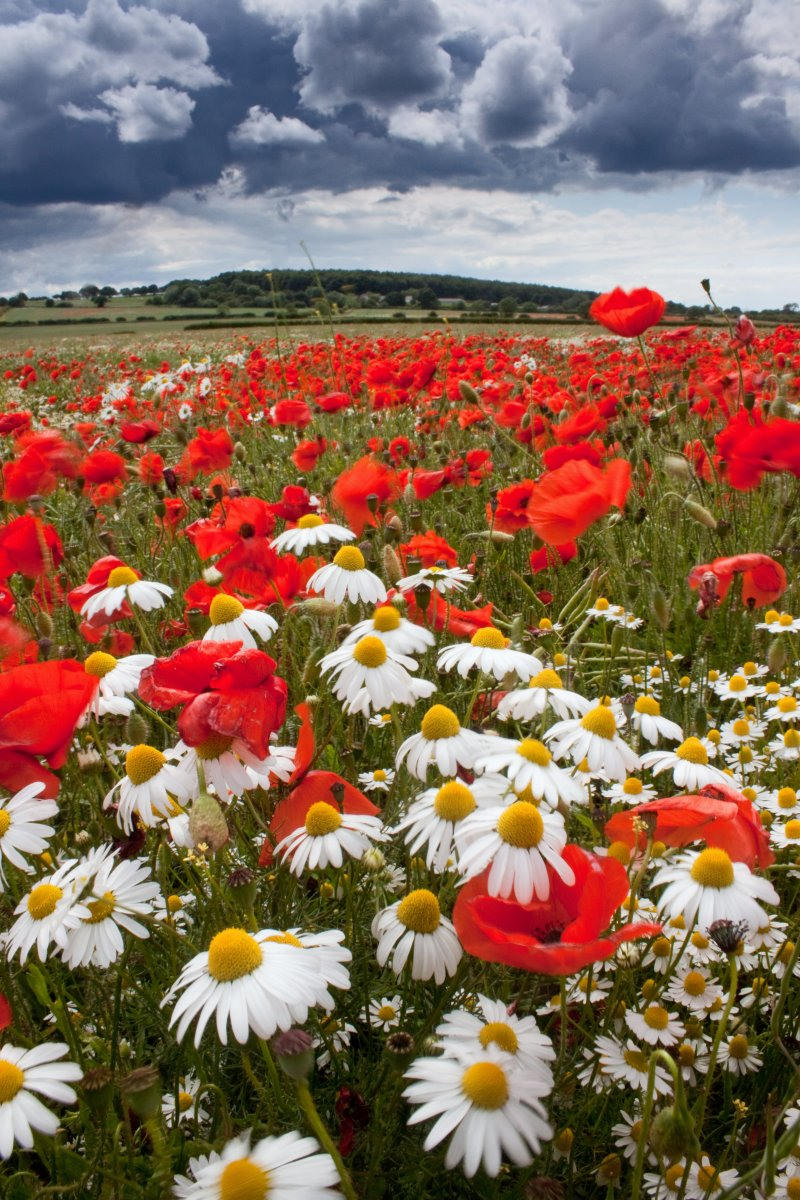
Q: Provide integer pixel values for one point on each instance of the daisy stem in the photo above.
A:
(143, 634)
(306, 1102)
(712, 1062)
(679, 1103)
(272, 1071)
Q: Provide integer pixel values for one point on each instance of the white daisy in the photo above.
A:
(492, 1108)
(489, 651)
(310, 531)
(347, 577)
(118, 677)
(707, 886)
(400, 635)
(120, 891)
(520, 841)
(441, 741)
(544, 690)
(688, 763)
(23, 1072)
(126, 584)
(333, 1038)
(594, 737)
(46, 914)
(180, 1107)
(631, 791)
(229, 766)
(742, 731)
(384, 1014)
(435, 814)
(738, 1055)
(232, 622)
(529, 766)
(785, 709)
(647, 720)
(736, 688)
(778, 622)
(380, 780)
(414, 928)
(258, 982)
(493, 1025)
(694, 989)
(22, 827)
(656, 1025)
(368, 676)
(332, 958)
(783, 835)
(626, 1063)
(786, 746)
(442, 579)
(326, 836)
(146, 789)
(288, 1167)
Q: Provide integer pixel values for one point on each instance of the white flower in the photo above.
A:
(23, 1072)
(441, 741)
(232, 622)
(414, 928)
(492, 1108)
(326, 836)
(775, 622)
(369, 676)
(46, 914)
(594, 737)
(520, 841)
(488, 651)
(347, 577)
(656, 1025)
(631, 791)
(707, 886)
(183, 1107)
(736, 688)
(118, 677)
(689, 765)
(647, 720)
(739, 1056)
(229, 766)
(146, 788)
(376, 781)
(120, 891)
(310, 531)
(287, 1166)
(125, 584)
(384, 1014)
(693, 989)
(256, 982)
(783, 836)
(626, 1063)
(544, 690)
(442, 579)
(400, 635)
(434, 816)
(22, 827)
(493, 1025)
(785, 709)
(529, 767)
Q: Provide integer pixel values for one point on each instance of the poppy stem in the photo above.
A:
(656, 388)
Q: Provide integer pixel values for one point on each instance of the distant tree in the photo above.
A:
(427, 298)
(393, 299)
(18, 301)
(507, 306)
(108, 291)
(100, 300)
(49, 302)
(89, 291)
(790, 308)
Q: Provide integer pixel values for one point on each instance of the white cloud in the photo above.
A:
(262, 128)
(434, 128)
(518, 93)
(144, 113)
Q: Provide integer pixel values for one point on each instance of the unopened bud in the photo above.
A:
(141, 1091)
(239, 451)
(137, 730)
(468, 393)
(744, 331)
(700, 514)
(779, 407)
(294, 1053)
(661, 608)
(671, 1134)
(392, 567)
(777, 657)
(207, 822)
(319, 606)
(677, 468)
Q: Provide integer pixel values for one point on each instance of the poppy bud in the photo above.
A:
(137, 730)
(468, 393)
(207, 822)
(44, 624)
(671, 1133)
(749, 401)
(779, 407)
(141, 1091)
(661, 608)
(294, 1053)
(96, 1087)
(677, 468)
(744, 331)
(777, 657)
(392, 568)
(700, 720)
(700, 514)
(239, 451)
(705, 284)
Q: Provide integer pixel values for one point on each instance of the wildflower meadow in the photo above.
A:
(400, 765)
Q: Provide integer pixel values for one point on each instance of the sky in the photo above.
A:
(585, 143)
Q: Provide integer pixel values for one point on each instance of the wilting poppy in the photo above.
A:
(628, 313)
(763, 579)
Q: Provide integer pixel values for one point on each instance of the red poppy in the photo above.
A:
(40, 705)
(430, 549)
(557, 936)
(210, 450)
(103, 466)
(441, 615)
(552, 556)
(6, 1016)
(29, 547)
(750, 448)
(292, 412)
(139, 431)
(718, 815)
(763, 579)
(16, 644)
(334, 401)
(224, 690)
(512, 510)
(365, 479)
(305, 454)
(628, 313)
(565, 502)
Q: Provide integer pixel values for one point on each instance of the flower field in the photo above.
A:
(400, 766)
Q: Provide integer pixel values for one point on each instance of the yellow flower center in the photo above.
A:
(785, 953)
(5, 822)
(546, 679)
(601, 604)
(559, 659)
(386, 618)
(793, 1188)
(648, 705)
(213, 747)
(699, 940)
(322, 819)
(243, 1179)
(792, 829)
(121, 577)
(656, 1017)
(686, 1055)
(694, 983)
(713, 868)
(621, 852)
(791, 739)
(714, 736)
(419, 911)
(563, 1140)
(738, 1046)
(662, 947)
(771, 615)
(785, 619)
(501, 1034)
(745, 755)
(387, 1012)
(370, 652)
(545, 624)
(486, 1085)
(99, 664)
(741, 727)
(489, 637)
(185, 1101)
(174, 904)
(453, 801)
(521, 825)
(636, 1059)
(673, 1176)
(713, 676)
(534, 751)
(379, 776)
(43, 900)
(632, 787)
(101, 909)
(142, 763)
(349, 558)
(286, 939)
(439, 722)
(693, 750)
(600, 721)
(786, 704)
(232, 954)
(224, 609)
(309, 521)
(11, 1080)
(737, 683)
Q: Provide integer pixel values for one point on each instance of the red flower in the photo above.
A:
(29, 547)
(565, 502)
(366, 478)
(103, 466)
(139, 431)
(305, 454)
(750, 448)
(763, 579)
(552, 556)
(557, 936)
(40, 705)
(512, 511)
(334, 401)
(430, 549)
(628, 313)
(6, 1016)
(440, 615)
(292, 412)
(210, 450)
(718, 815)
(224, 690)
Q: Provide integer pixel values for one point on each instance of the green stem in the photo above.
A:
(306, 1102)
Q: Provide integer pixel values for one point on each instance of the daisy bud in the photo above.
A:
(294, 1053)
(776, 657)
(137, 730)
(207, 822)
(610, 1169)
(671, 1133)
(661, 608)
(677, 468)
(141, 1091)
(374, 860)
(700, 514)
(392, 567)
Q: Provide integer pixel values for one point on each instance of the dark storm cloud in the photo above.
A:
(110, 100)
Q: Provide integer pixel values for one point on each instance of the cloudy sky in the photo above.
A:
(580, 142)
